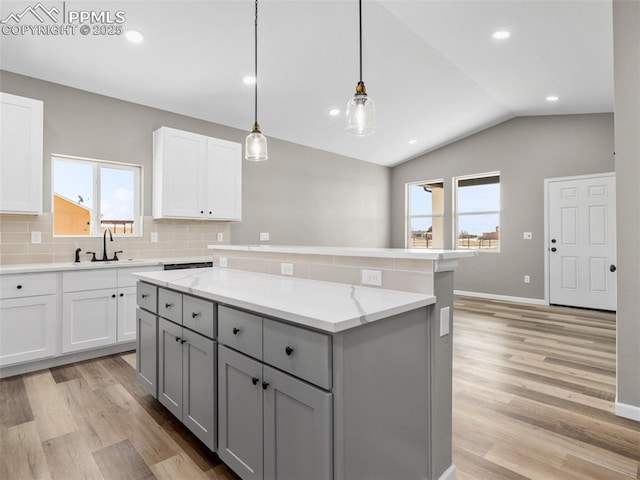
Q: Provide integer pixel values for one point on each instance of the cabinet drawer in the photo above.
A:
(240, 330)
(91, 280)
(170, 305)
(197, 315)
(147, 296)
(301, 352)
(17, 286)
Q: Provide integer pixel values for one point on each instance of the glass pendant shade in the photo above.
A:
(361, 115)
(255, 148)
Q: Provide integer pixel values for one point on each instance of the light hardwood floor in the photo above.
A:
(533, 399)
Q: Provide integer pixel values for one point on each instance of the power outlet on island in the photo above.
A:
(444, 321)
(264, 236)
(372, 277)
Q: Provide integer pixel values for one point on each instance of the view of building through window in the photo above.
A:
(477, 211)
(90, 196)
(425, 207)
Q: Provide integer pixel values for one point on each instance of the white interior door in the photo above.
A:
(582, 241)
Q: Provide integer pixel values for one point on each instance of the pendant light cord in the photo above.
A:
(360, 16)
(255, 67)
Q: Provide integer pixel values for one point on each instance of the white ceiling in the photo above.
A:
(431, 66)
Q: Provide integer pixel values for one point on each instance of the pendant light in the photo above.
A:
(361, 111)
(255, 148)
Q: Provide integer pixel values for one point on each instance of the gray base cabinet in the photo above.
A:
(271, 425)
(186, 372)
(147, 351)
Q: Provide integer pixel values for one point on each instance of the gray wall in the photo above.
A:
(525, 150)
(301, 195)
(626, 25)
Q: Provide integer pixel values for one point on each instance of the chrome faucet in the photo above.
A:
(104, 244)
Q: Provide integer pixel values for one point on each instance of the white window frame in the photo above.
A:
(456, 214)
(97, 166)
(408, 216)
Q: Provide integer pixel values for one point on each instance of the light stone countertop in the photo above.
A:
(87, 265)
(409, 253)
(331, 307)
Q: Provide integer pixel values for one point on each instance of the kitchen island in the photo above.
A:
(314, 378)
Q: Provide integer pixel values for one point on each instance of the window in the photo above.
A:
(477, 209)
(425, 210)
(90, 196)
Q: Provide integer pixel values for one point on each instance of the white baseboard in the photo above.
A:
(505, 298)
(65, 359)
(627, 411)
(449, 473)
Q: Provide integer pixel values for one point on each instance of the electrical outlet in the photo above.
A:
(527, 235)
(372, 277)
(527, 279)
(220, 237)
(286, 268)
(444, 321)
(154, 237)
(36, 237)
(264, 236)
(224, 262)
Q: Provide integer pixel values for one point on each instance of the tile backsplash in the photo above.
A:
(176, 238)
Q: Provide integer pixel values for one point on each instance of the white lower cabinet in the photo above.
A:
(186, 378)
(88, 319)
(126, 330)
(28, 317)
(271, 425)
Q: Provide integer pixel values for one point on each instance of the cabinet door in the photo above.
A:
(223, 186)
(88, 319)
(170, 366)
(147, 352)
(198, 387)
(27, 329)
(297, 429)
(126, 314)
(240, 439)
(21, 160)
(178, 168)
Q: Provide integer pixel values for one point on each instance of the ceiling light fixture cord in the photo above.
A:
(360, 17)
(255, 66)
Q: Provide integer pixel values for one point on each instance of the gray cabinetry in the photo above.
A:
(273, 425)
(186, 365)
(146, 351)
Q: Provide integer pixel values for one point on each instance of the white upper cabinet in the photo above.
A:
(20, 154)
(195, 176)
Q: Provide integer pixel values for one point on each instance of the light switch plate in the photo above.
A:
(36, 237)
(286, 268)
(154, 237)
(220, 237)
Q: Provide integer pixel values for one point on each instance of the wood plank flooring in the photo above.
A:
(533, 399)
(534, 389)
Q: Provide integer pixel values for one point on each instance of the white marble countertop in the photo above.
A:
(87, 265)
(412, 253)
(331, 307)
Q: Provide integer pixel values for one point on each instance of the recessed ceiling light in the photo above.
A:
(552, 98)
(412, 141)
(334, 111)
(134, 36)
(249, 80)
(501, 34)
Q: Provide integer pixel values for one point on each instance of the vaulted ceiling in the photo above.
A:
(432, 66)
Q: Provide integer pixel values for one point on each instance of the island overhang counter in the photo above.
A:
(373, 399)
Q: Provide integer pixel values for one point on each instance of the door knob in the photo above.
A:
(255, 380)
(553, 240)
(553, 249)
(612, 268)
